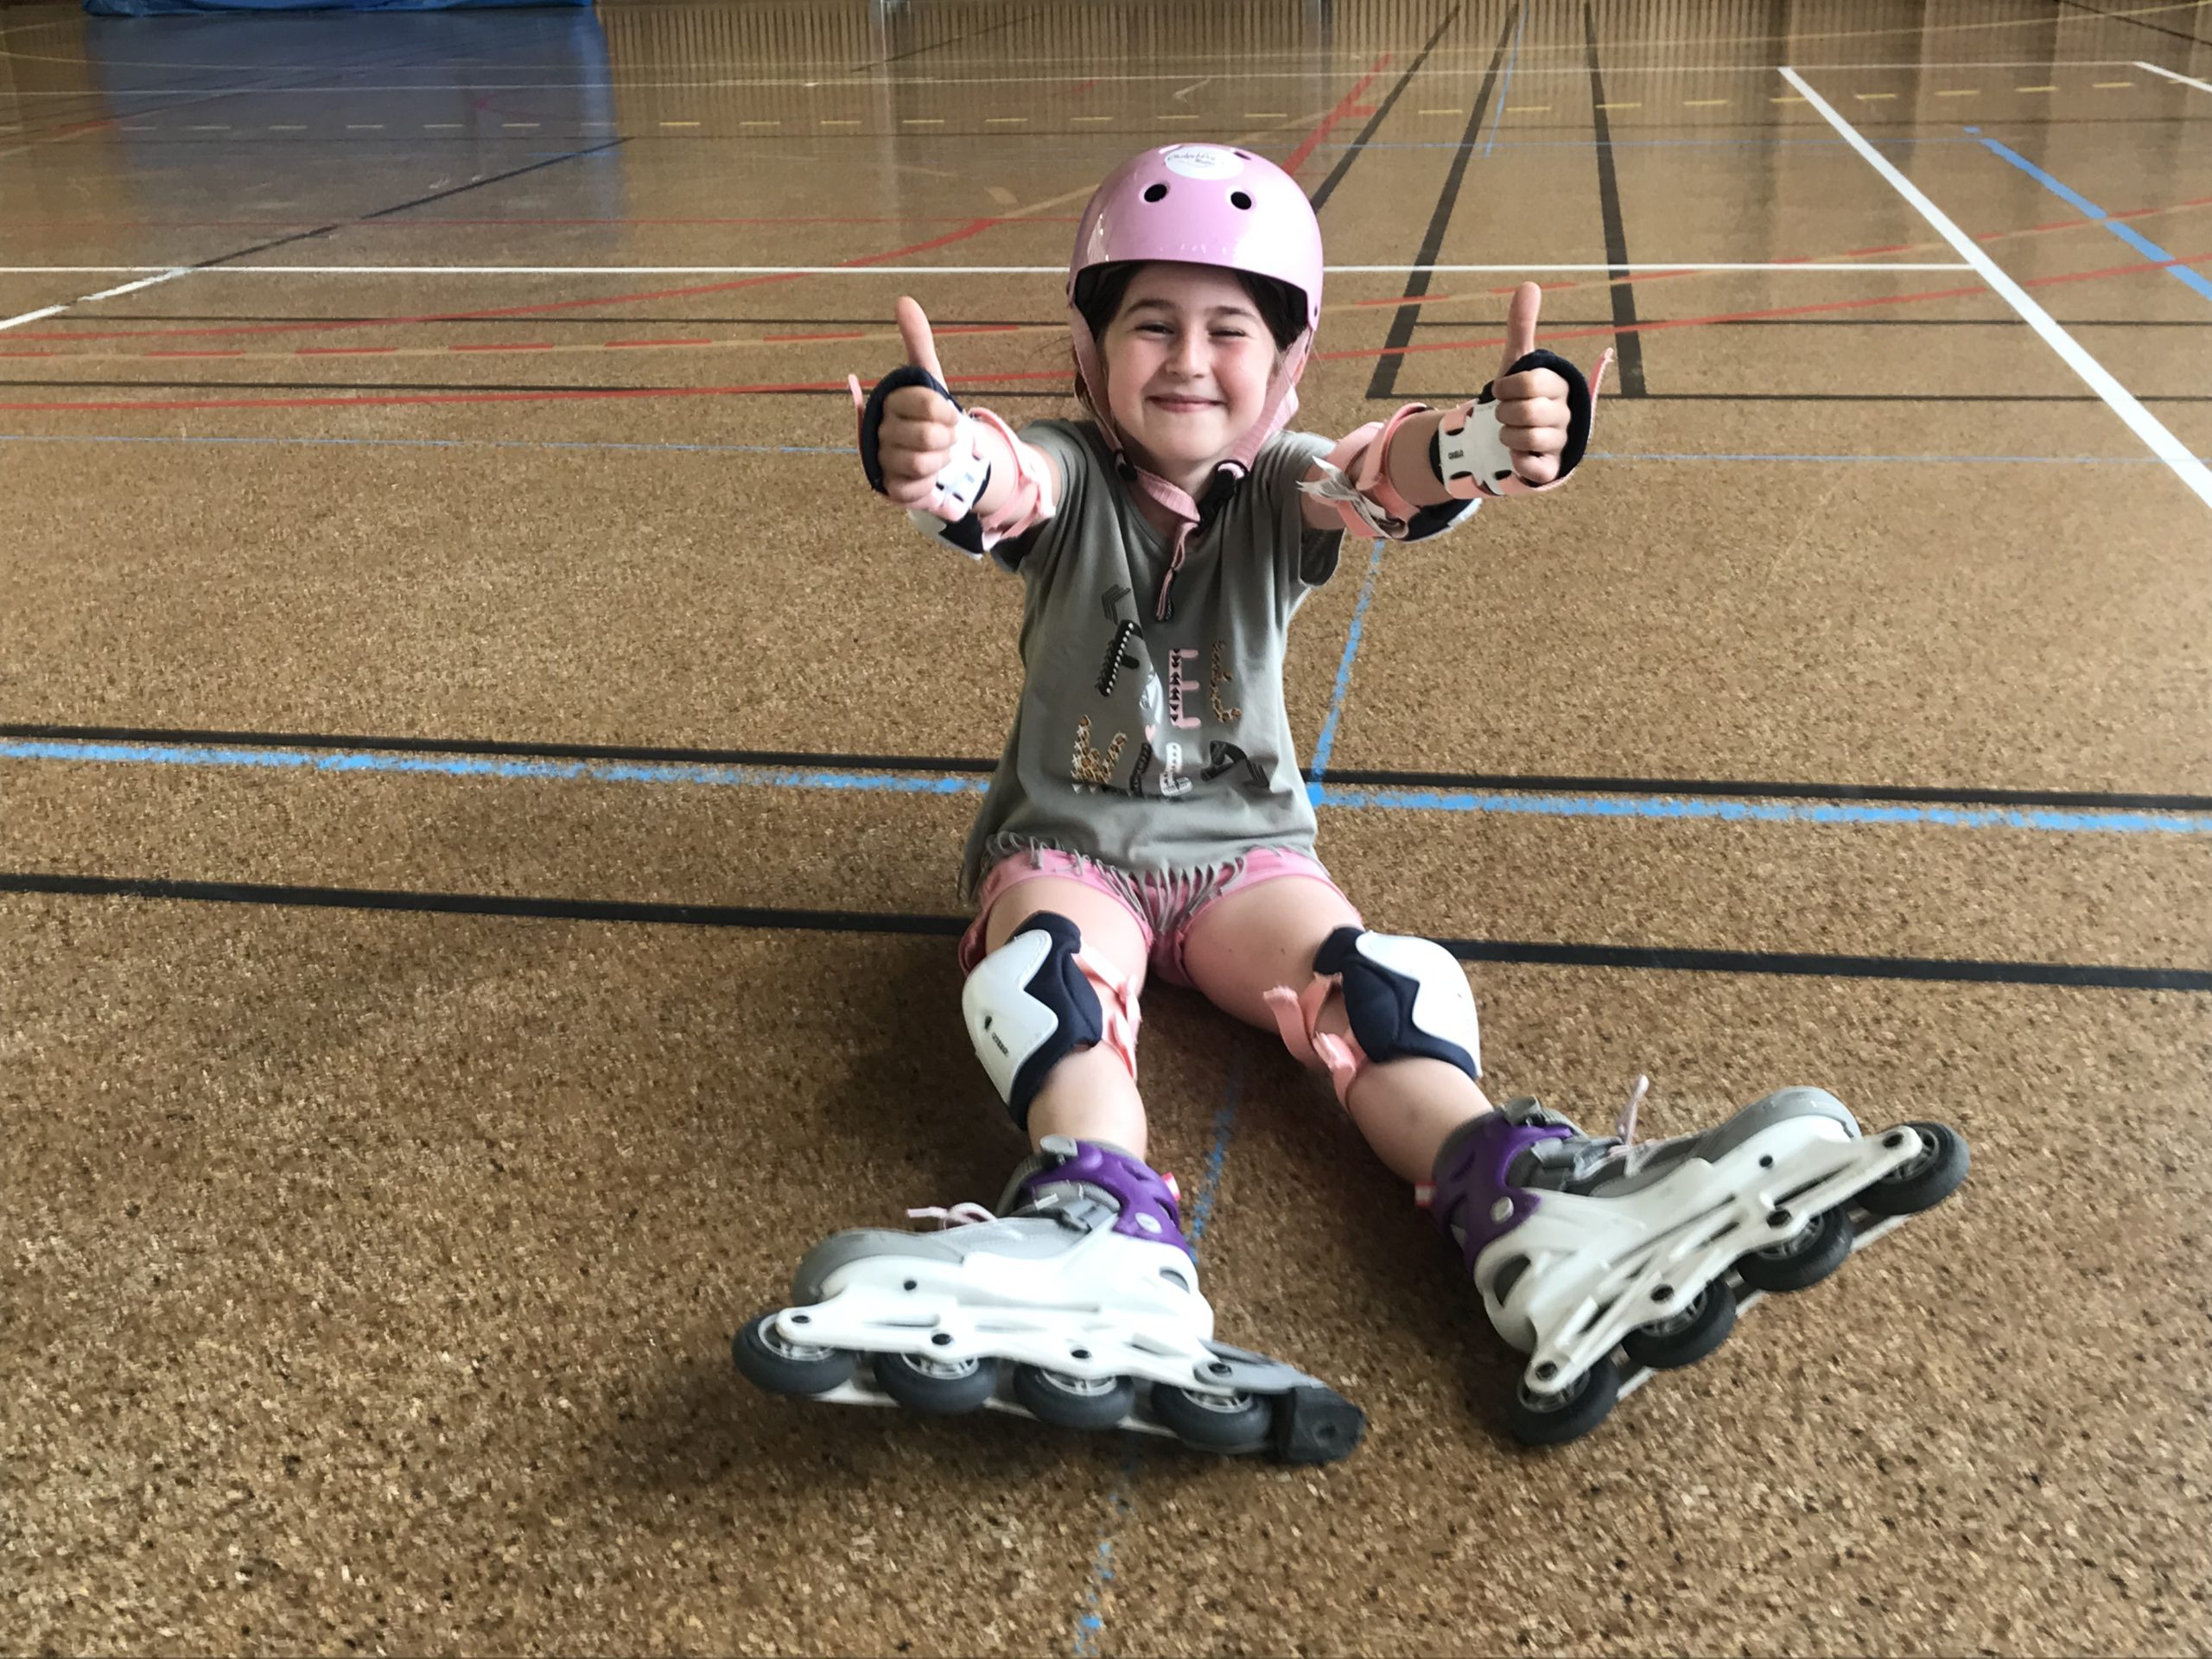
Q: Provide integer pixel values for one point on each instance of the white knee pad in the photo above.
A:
(1036, 999)
(1404, 997)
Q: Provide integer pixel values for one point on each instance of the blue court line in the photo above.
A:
(1337, 796)
(831, 449)
(1327, 740)
(2127, 232)
(1498, 115)
(1089, 1622)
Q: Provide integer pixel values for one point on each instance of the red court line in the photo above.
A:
(1646, 325)
(973, 228)
(431, 222)
(586, 394)
(1298, 157)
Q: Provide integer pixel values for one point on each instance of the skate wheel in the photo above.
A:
(1073, 1402)
(1555, 1418)
(1687, 1337)
(1926, 1181)
(938, 1387)
(769, 1360)
(1801, 1262)
(1232, 1423)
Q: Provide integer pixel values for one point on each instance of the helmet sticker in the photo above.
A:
(1203, 162)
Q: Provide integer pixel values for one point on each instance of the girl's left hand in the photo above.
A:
(1531, 406)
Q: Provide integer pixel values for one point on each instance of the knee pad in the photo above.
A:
(1404, 997)
(1036, 999)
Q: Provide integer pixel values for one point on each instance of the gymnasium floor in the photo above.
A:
(482, 782)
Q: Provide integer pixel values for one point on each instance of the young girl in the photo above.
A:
(1148, 816)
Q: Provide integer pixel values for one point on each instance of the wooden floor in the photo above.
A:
(481, 784)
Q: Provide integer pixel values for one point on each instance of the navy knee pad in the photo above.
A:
(1404, 996)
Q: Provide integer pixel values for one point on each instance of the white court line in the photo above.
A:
(1300, 75)
(904, 270)
(2201, 85)
(165, 275)
(2147, 427)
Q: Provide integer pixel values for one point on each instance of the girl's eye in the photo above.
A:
(1153, 328)
(1228, 333)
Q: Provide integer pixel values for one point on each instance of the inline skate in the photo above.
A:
(1582, 1245)
(1080, 1309)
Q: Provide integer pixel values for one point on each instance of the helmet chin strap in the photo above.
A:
(1274, 415)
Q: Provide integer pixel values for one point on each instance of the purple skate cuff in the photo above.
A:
(1147, 1203)
(1473, 1175)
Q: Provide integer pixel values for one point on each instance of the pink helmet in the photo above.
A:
(1203, 205)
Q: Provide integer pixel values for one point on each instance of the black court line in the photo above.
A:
(1384, 378)
(1358, 146)
(1627, 342)
(1737, 789)
(1006, 395)
(2083, 975)
(419, 201)
(2122, 17)
(936, 46)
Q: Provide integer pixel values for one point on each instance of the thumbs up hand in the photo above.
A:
(915, 443)
(1531, 407)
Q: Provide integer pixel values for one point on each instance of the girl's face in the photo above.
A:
(1187, 361)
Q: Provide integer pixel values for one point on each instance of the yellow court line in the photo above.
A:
(922, 121)
(1451, 111)
(1274, 115)
(1786, 99)
(2114, 83)
(679, 123)
(519, 126)
(760, 124)
(840, 122)
(1004, 120)
(1702, 102)
(2035, 89)
(1522, 109)
(1872, 98)
(428, 126)
(1092, 118)
(1620, 106)
(288, 129)
(1180, 117)
(1960, 92)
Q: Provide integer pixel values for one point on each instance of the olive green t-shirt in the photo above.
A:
(1154, 746)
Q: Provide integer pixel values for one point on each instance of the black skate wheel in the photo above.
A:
(1073, 1402)
(768, 1360)
(1555, 1418)
(1926, 1181)
(1229, 1423)
(1801, 1262)
(1687, 1337)
(938, 1387)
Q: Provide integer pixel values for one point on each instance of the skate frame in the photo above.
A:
(1637, 1375)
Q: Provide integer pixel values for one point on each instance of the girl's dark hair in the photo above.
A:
(1100, 291)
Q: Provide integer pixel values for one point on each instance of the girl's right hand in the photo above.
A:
(914, 443)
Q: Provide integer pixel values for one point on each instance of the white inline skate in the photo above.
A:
(1581, 1245)
(1081, 1308)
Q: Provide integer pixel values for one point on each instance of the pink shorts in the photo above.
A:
(1164, 903)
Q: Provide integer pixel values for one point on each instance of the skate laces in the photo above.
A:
(963, 1214)
(1625, 1128)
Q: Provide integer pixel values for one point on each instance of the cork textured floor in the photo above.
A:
(482, 784)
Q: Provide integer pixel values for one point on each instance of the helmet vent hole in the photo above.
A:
(1155, 192)
(1238, 199)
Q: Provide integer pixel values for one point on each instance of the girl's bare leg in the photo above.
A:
(1244, 945)
(1089, 1095)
